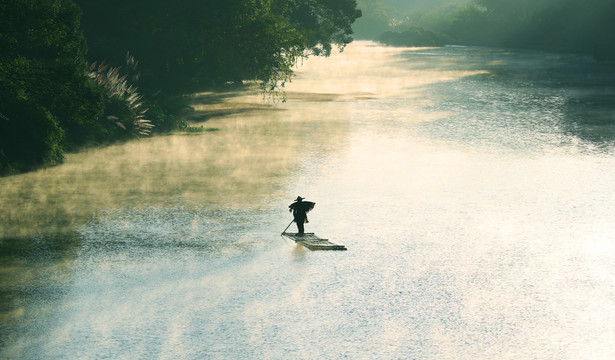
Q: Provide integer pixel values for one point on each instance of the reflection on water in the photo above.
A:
(473, 187)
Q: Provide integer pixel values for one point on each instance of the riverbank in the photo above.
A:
(59, 197)
(240, 141)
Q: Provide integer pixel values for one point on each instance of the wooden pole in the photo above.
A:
(288, 226)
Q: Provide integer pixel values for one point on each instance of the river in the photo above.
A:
(474, 189)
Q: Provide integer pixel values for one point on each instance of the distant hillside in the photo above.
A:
(380, 16)
(409, 6)
(579, 26)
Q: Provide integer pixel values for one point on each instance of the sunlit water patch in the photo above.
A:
(160, 230)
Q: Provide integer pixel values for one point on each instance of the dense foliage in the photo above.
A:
(558, 25)
(47, 99)
(186, 45)
(53, 100)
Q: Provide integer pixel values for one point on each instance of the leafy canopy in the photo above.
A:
(46, 95)
(187, 45)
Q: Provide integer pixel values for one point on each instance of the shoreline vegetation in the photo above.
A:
(58, 197)
(564, 26)
(69, 80)
(172, 169)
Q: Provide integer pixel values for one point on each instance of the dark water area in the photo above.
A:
(473, 187)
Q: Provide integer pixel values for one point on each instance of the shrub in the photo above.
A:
(124, 111)
(44, 90)
(29, 135)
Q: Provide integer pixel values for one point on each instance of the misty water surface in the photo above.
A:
(473, 187)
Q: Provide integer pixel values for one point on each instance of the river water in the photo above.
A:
(473, 187)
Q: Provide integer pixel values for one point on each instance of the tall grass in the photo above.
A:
(124, 104)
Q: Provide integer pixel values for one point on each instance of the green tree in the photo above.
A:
(558, 25)
(574, 25)
(29, 134)
(189, 45)
(324, 22)
(43, 80)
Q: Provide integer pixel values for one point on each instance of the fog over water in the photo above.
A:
(473, 187)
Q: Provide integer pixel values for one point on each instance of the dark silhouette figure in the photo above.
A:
(300, 209)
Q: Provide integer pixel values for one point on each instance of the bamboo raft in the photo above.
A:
(313, 242)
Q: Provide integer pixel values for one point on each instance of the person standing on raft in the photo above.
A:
(300, 209)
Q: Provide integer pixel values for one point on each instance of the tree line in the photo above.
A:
(75, 73)
(583, 26)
